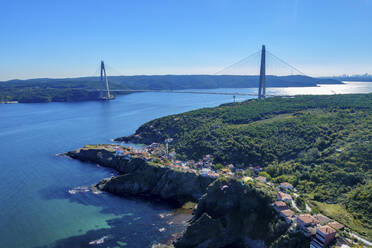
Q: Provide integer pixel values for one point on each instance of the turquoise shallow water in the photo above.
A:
(36, 208)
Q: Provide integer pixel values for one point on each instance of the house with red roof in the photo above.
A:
(306, 224)
(324, 236)
(286, 186)
(280, 205)
(284, 197)
(288, 215)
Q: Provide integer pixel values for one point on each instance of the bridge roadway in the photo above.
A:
(191, 92)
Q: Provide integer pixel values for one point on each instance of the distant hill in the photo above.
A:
(361, 78)
(81, 89)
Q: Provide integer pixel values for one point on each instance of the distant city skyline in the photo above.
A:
(60, 39)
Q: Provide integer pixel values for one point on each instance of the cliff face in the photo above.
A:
(231, 214)
(140, 177)
(228, 213)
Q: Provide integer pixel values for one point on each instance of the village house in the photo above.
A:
(321, 219)
(324, 236)
(172, 154)
(335, 225)
(288, 215)
(279, 206)
(286, 186)
(284, 197)
(207, 157)
(306, 224)
(231, 167)
(118, 152)
(205, 172)
(207, 160)
(154, 145)
(191, 164)
(213, 174)
(261, 179)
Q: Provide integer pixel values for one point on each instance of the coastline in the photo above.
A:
(140, 177)
(143, 174)
(171, 126)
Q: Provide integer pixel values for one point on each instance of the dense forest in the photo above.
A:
(320, 144)
(82, 89)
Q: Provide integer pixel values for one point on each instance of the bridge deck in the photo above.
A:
(195, 92)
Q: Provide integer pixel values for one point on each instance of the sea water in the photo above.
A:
(46, 201)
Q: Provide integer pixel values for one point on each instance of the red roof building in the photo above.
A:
(261, 179)
(322, 220)
(304, 221)
(288, 215)
(286, 186)
(324, 236)
(284, 197)
(280, 205)
(335, 225)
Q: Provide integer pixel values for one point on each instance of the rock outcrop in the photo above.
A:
(233, 215)
(144, 178)
(228, 213)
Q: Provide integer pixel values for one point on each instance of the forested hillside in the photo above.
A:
(320, 144)
(82, 89)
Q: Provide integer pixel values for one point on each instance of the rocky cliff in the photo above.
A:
(233, 215)
(143, 178)
(228, 213)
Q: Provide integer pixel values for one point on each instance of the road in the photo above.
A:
(366, 242)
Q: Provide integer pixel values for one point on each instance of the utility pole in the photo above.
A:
(262, 84)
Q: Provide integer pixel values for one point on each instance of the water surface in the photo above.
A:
(36, 207)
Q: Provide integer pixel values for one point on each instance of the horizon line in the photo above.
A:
(201, 74)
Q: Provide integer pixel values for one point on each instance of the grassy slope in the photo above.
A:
(321, 144)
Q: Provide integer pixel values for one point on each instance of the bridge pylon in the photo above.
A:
(262, 82)
(104, 93)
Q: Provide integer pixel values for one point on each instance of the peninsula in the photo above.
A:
(264, 173)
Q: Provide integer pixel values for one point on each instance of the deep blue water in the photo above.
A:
(36, 208)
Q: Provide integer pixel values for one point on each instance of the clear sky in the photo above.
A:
(68, 38)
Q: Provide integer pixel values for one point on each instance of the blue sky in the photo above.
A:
(68, 38)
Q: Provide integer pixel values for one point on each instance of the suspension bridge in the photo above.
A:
(238, 68)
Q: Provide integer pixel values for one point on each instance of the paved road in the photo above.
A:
(366, 242)
(295, 206)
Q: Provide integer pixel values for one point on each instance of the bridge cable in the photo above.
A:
(287, 64)
(237, 63)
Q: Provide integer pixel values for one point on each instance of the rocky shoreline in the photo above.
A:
(139, 177)
(228, 213)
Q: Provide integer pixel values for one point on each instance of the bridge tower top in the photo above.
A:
(105, 90)
(262, 82)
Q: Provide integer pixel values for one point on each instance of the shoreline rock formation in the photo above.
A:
(232, 214)
(143, 178)
(228, 213)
